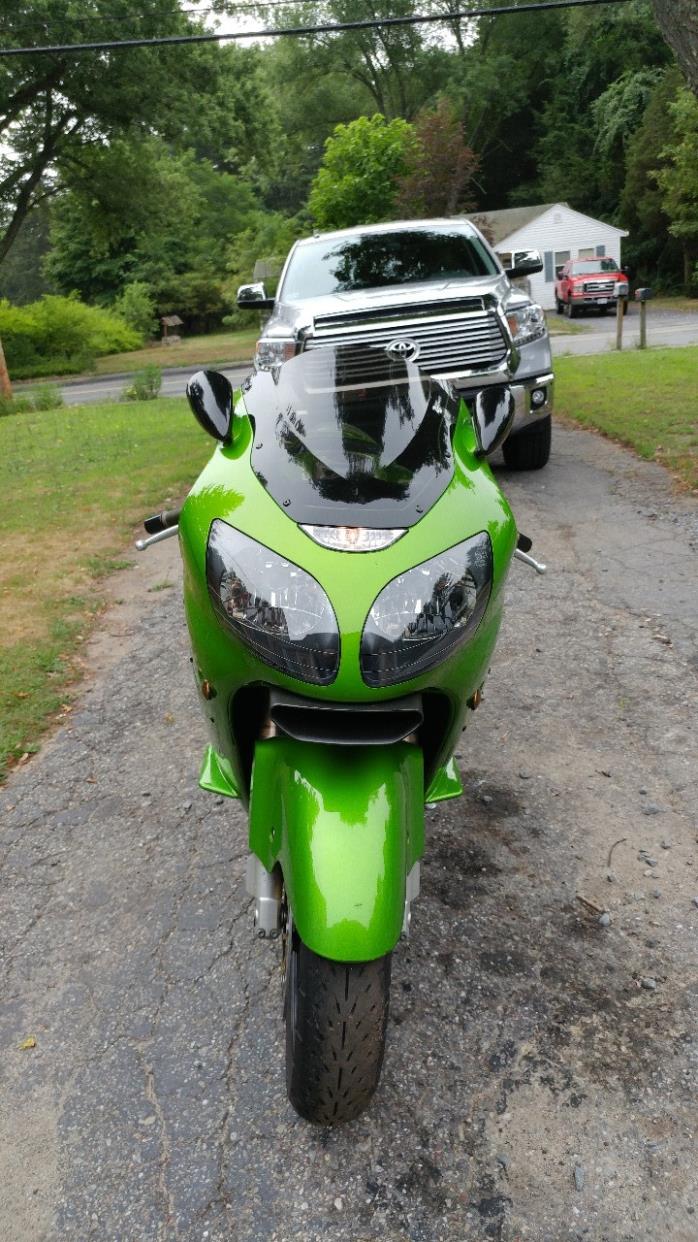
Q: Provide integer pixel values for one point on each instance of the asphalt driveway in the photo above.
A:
(540, 1078)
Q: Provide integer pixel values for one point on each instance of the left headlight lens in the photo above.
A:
(527, 324)
(423, 615)
(274, 606)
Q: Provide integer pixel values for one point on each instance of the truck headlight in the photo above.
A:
(277, 609)
(527, 324)
(272, 352)
(622, 288)
(423, 615)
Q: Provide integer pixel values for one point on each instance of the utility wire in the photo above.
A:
(323, 28)
(86, 19)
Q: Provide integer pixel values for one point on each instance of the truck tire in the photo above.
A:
(559, 306)
(336, 1016)
(570, 310)
(529, 449)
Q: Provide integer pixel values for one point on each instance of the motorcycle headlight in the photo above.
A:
(423, 615)
(272, 352)
(527, 324)
(274, 606)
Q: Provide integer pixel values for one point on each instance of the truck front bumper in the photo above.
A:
(533, 397)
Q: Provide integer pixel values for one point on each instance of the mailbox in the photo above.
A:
(643, 295)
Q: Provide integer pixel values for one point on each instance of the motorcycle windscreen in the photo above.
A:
(347, 437)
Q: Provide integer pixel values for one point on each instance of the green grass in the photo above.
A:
(644, 399)
(218, 349)
(74, 485)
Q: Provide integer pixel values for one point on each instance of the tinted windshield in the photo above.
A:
(588, 266)
(334, 452)
(373, 260)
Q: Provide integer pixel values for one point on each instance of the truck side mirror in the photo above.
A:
(493, 417)
(254, 297)
(526, 263)
(210, 396)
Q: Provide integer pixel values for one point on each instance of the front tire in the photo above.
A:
(529, 449)
(336, 1017)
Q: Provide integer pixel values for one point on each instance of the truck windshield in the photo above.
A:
(588, 266)
(348, 437)
(374, 260)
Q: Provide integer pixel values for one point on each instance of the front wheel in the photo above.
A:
(529, 449)
(336, 1017)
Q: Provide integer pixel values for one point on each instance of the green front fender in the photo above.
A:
(346, 825)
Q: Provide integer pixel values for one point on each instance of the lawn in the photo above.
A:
(220, 348)
(74, 484)
(645, 399)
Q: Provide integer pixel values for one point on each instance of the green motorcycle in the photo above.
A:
(345, 554)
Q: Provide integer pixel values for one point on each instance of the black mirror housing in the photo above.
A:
(210, 396)
(493, 417)
(526, 263)
(254, 297)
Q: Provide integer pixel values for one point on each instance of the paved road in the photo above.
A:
(540, 1078)
(598, 332)
(111, 387)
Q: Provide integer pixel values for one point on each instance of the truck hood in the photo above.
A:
(293, 318)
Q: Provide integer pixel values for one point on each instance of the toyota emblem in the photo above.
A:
(402, 350)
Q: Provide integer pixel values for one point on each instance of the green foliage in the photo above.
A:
(678, 180)
(57, 335)
(136, 306)
(45, 397)
(356, 182)
(442, 167)
(145, 385)
(269, 239)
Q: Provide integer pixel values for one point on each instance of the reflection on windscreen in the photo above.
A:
(588, 266)
(379, 259)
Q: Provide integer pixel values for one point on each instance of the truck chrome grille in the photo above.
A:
(606, 288)
(449, 343)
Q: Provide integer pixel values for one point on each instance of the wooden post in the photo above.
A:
(619, 323)
(643, 324)
(5, 384)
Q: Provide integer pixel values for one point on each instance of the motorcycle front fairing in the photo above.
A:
(314, 446)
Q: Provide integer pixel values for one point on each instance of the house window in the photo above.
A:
(561, 256)
(504, 257)
(587, 252)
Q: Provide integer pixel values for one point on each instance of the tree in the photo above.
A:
(439, 182)
(651, 252)
(54, 109)
(678, 180)
(356, 182)
(678, 22)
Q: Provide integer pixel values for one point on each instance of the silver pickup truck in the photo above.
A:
(428, 291)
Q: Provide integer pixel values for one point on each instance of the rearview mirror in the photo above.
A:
(493, 417)
(210, 396)
(254, 297)
(526, 263)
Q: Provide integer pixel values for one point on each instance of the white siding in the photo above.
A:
(561, 229)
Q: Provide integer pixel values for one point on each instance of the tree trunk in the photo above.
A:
(678, 22)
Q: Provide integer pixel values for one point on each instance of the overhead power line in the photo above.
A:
(421, 19)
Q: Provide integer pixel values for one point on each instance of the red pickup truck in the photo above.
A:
(594, 284)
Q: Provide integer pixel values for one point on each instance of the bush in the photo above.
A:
(56, 335)
(136, 306)
(46, 397)
(146, 384)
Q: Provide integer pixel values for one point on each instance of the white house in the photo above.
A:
(559, 232)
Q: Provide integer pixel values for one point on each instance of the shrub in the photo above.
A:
(57, 335)
(136, 306)
(145, 385)
(46, 397)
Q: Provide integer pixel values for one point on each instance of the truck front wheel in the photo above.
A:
(529, 449)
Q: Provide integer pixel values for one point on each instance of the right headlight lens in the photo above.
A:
(275, 607)
(271, 352)
(423, 615)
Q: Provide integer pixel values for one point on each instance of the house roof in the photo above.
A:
(509, 219)
(500, 225)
